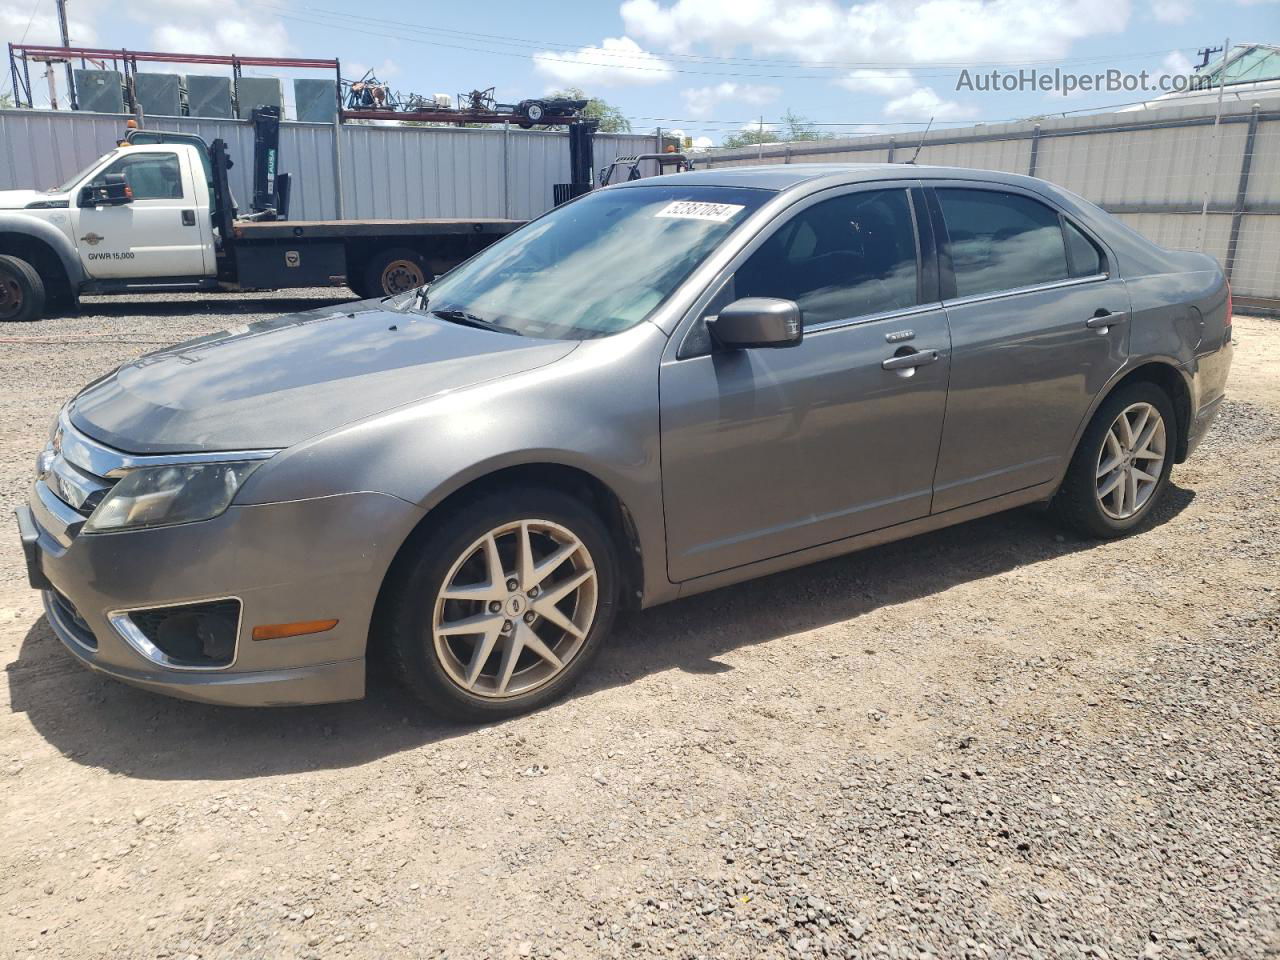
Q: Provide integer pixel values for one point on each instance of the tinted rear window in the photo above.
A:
(1001, 241)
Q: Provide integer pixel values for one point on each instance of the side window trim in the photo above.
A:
(1001, 188)
(942, 246)
(926, 248)
(1103, 257)
(946, 274)
(687, 334)
(1031, 288)
(130, 159)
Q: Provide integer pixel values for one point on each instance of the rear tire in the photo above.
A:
(392, 271)
(22, 293)
(531, 642)
(1120, 470)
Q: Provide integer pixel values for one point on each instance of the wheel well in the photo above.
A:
(589, 489)
(1168, 379)
(46, 262)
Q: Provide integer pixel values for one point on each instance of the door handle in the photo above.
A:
(909, 361)
(1102, 320)
(188, 218)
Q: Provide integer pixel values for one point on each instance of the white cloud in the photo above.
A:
(907, 100)
(16, 15)
(616, 61)
(699, 143)
(1177, 63)
(701, 101)
(181, 30)
(383, 71)
(921, 104)
(1172, 11)
(886, 82)
(876, 31)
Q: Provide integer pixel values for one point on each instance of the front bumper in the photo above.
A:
(285, 562)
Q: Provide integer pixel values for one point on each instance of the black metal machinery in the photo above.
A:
(631, 165)
(270, 187)
(581, 162)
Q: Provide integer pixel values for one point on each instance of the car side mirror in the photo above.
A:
(112, 190)
(758, 322)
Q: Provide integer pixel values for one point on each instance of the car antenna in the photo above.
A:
(920, 145)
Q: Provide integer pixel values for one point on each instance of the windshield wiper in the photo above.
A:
(471, 320)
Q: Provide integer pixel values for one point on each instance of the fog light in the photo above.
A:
(191, 635)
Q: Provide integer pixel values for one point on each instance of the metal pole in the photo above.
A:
(13, 69)
(506, 170)
(1242, 192)
(66, 42)
(339, 207)
(1213, 146)
(760, 141)
(53, 85)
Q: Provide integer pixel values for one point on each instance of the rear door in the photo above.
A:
(769, 451)
(162, 233)
(1038, 326)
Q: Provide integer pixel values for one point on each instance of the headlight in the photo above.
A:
(161, 496)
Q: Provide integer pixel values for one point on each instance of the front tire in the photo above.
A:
(502, 606)
(22, 293)
(1121, 468)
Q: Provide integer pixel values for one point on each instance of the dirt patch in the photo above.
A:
(995, 740)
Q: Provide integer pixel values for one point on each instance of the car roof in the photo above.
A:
(784, 176)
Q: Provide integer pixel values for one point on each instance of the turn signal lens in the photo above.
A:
(277, 631)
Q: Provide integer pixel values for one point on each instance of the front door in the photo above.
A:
(769, 451)
(1038, 327)
(158, 234)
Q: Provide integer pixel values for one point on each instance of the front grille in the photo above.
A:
(67, 470)
(70, 620)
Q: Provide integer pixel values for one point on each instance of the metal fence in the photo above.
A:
(1186, 177)
(396, 173)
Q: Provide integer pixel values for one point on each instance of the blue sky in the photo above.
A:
(703, 66)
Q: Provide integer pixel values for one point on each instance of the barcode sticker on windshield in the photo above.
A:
(698, 210)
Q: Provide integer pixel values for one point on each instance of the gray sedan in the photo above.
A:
(661, 388)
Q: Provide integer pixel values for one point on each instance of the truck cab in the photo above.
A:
(139, 212)
(157, 214)
(136, 214)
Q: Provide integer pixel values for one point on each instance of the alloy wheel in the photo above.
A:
(1131, 461)
(515, 609)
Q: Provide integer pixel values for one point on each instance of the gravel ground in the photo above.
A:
(993, 741)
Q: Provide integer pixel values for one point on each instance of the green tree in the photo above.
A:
(6, 101)
(750, 137)
(610, 117)
(792, 129)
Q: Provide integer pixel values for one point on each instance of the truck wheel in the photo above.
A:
(21, 291)
(394, 271)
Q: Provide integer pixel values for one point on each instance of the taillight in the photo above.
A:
(1228, 320)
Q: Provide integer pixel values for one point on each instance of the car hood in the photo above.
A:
(281, 381)
(17, 199)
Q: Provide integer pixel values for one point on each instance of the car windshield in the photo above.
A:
(594, 267)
